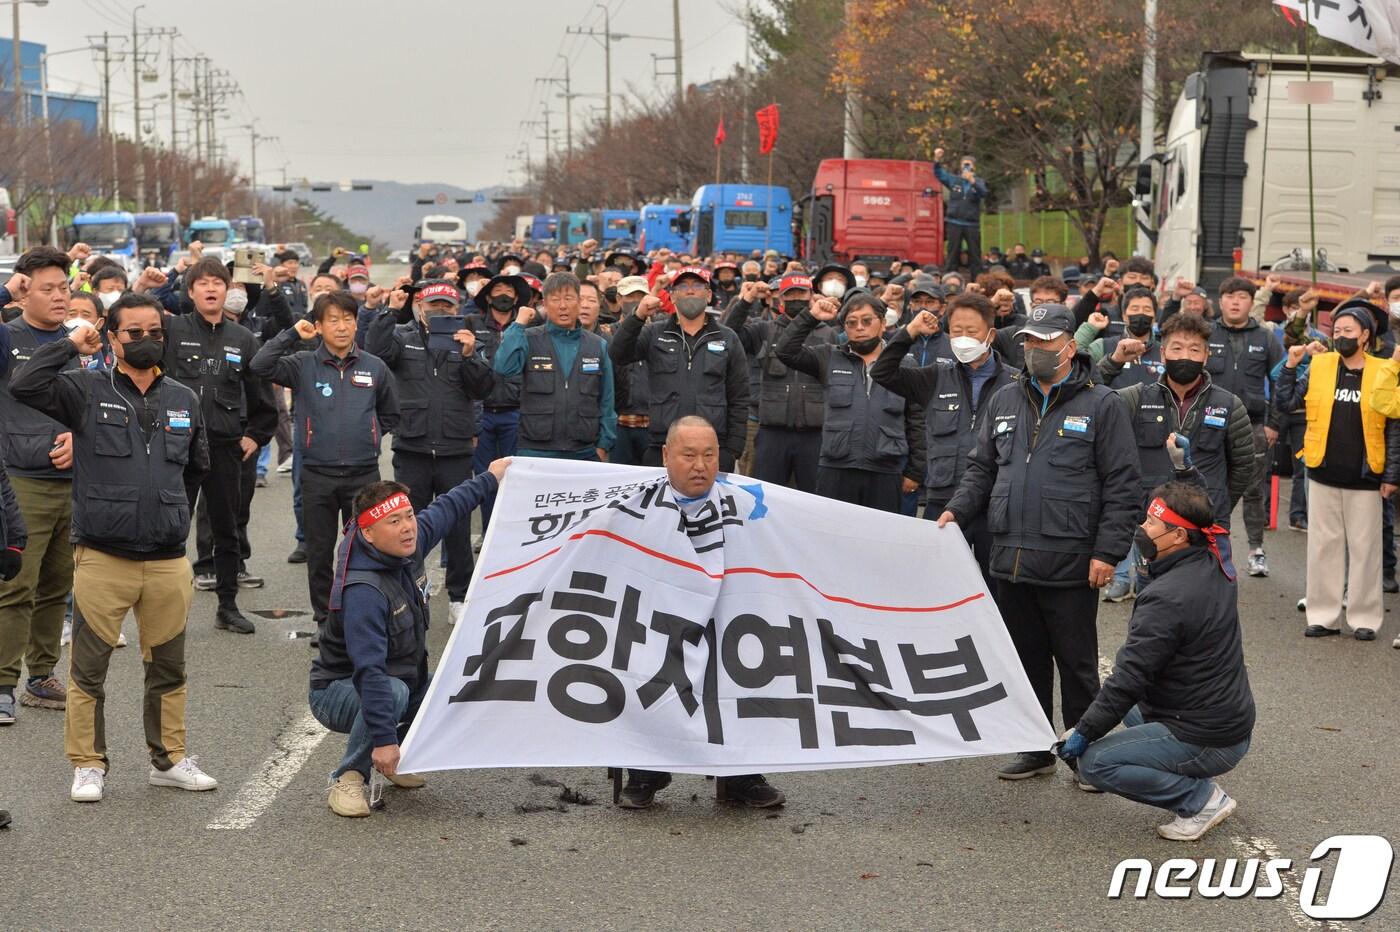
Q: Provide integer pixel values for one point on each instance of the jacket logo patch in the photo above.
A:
(362, 379)
(1003, 426)
(1213, 420)
(588, 364)
(715, 346)
(1077, 423)
(325, 388)
(178, 420)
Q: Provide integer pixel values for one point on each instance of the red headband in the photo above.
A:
(1159, 510)
(375, 513)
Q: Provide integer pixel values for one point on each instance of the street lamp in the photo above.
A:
(21, 227)
(48, 135)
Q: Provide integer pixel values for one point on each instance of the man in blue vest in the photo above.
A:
(371, 668)
(566, 397)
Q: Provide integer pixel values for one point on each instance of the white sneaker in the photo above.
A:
(87, 785)
(67, 637)
(286, 467)
(476, 542)
(1395, 643)
(121, 639)
(1217, 809)
(185, 775)
(455, 611)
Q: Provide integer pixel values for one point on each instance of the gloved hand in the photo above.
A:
(1179, 449)
(11, 559)
(1073, 746)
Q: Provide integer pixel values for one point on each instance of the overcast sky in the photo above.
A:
(404, 90)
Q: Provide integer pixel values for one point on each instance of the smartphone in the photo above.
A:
(244, 258)
(441, 327)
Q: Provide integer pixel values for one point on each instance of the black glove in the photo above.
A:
(11, 559)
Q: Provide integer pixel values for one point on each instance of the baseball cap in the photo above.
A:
(927, 286)
(789, 282)
(1037, 253)
(357, 271)
(439, 290)
(693, 271)
(1047, 321)
(632, 284)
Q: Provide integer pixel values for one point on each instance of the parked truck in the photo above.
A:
(740, 218)
(1228, 193)
(159, 235)
(874, 211)
(108, 232)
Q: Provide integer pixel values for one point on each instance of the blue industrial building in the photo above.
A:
(86, 111)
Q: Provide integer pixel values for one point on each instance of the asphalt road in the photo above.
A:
(938, 846)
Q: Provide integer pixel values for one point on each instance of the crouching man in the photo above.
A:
(371, 668)
(1179, 684)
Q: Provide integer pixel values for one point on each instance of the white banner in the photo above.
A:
(770, 630)
(1371, 26)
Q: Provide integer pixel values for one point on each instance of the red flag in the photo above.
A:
(719, 133)
(1288, 15)
(767, 128)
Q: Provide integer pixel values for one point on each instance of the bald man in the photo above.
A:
(691, 458)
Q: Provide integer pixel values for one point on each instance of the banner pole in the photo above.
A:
(768, 223)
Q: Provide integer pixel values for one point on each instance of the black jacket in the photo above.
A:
(787, 398)
(215, 361)
(1059, 488)
(944, 392)
(848, 440)
(1183, 661)
(706, 375)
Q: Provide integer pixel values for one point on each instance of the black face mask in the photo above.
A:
(1347, 346)
(624, 267)
(793, 308)
(1146, 544)
(751, 277)
(725, 285)
(862, 347)
(503, 302)
(1139, 325)
(611, 294)
(144, 353)
(1184, 371)
(628, 307)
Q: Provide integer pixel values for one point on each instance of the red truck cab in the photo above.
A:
(874, 210)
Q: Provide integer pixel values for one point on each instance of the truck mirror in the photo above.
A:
(1192, 89)
(1143, 186)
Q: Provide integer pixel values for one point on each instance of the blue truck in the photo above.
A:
(211, 231)
(611, 226)
(740, 218)
(249, 230)
(159, 235)
(544, 228)
(108, 232)
(664, 226)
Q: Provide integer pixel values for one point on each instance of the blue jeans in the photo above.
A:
(296, 490)
(495, 438)
(337, 707)
(1146, 763)
(1123, 572)
(264, 459)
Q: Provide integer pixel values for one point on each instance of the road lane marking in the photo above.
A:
(294, 745)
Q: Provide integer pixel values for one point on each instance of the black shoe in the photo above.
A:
(1389, 584)
(639, 794)
(298, 555)
(1364, 634)
(1027, 764)
(230, 618)
(752, 791)
(1318, 631)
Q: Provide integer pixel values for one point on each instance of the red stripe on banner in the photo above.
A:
(752, 570)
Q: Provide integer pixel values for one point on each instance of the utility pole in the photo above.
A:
(208, 113)
(748, 76)
(21, 105)
(853, 147)
(606, 38)
(676, 21)
(173, 34)
(568, 96)
(136, 111)
(253, 175)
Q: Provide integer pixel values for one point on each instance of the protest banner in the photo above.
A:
(762, 630)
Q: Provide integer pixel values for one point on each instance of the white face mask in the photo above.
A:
(891, 317)
(833, 288)
(967, 349)
(474, 286)
(511, 270)
(236, 301)
(860, 281)
(1395, 308)
(108, 298)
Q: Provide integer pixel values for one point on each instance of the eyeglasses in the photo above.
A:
(133, 334)
(854, 322)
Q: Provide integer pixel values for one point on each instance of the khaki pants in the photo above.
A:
(1344, 553)
(32, 604)
(105, 588)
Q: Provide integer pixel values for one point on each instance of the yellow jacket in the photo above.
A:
(1322, 386)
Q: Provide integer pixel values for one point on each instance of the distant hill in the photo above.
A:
(389, 211)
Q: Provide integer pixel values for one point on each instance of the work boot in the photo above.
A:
(1027, 764)
(298, 554)
(47, 693)
(229, 618)
(752, 791)
(347, 796)
(639, 794)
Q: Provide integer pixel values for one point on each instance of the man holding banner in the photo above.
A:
(371, 667)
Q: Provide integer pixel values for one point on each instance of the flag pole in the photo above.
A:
(1312, 212)
(719, 152)
(768, 223)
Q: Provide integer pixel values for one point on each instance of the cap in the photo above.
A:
(693, 271)
(789, 282)
(1070, 275)
(438, 290)
(1037, 253)
(357, 271)
(726, 265)
(533, 283)
(522, 291)
(632, 284)
(927, 286)
(1367, 315)
(474, 268)
(1047, 321)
